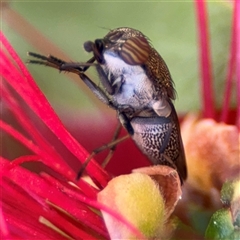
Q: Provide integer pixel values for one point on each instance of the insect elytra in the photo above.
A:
(136, 83)
(135, 51)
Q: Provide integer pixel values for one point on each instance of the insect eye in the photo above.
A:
(135, 50)
(99, 44)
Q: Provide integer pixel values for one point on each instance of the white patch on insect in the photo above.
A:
(162, 108)
(117, 66)
(133, 82)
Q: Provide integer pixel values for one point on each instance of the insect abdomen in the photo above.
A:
(157, 137)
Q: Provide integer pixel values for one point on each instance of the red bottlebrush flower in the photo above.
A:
(54, 205)
(41, 196)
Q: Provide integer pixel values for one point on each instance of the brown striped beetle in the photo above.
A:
(137, 84)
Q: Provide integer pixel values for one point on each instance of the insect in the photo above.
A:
(137, 84)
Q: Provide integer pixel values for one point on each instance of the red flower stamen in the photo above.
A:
(237, 10)
(24, 85)
(208, 110)
(230, 70)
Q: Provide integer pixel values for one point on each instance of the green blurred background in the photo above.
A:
(171, 27)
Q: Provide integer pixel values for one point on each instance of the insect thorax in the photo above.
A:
(132, 86)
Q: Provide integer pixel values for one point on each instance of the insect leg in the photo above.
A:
(125, 122)
(59, 64)
(112, 149)
(98, 92)
(78, 68)
(81, 67)
(110, 145)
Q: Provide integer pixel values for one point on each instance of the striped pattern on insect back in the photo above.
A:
(135, 51)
